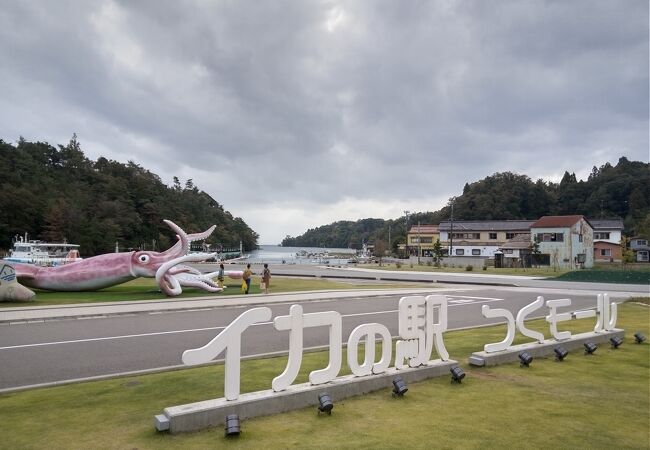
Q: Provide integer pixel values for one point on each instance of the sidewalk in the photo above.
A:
(88, 310)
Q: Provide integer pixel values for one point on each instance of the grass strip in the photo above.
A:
(599, 401)
(607, 276)
(147, 289)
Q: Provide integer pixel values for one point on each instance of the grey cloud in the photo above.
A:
(394, 101)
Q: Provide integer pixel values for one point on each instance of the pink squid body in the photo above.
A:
(89, 274)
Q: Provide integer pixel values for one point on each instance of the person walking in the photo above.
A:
(220, 276)
(266, 278)
(247, 277)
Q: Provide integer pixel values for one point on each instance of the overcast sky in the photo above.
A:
(295, 114)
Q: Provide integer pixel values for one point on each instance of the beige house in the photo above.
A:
(421, 239)
(480, 238)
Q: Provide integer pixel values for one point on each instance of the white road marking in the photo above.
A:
(473, 298)
(193, 330)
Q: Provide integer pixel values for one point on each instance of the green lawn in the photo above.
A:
(407, 267)
(599, 401)
(147, 289)
(608, 276)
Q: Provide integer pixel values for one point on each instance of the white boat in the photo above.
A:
(43, 253)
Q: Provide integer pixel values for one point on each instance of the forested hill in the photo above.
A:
(622, 190)
(57, 193)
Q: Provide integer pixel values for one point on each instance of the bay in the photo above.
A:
(275, 254)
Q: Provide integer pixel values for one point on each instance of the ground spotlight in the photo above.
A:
(457, 374)
(325, 403)
(590, 348)
(399, 387)
(560, 353)
(232, 425)
(639, 337)
(615, 341)
(525, 359)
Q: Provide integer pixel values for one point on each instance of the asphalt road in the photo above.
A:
(63, 350)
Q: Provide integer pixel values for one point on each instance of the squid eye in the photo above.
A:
(143, 258)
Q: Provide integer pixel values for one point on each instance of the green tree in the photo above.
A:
(535, 251)
(437, 251)
(379, 250)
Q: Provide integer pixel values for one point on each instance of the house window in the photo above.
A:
(476, 252)
(642, 242)
(508, 251)
(414, 240)
(642, 255)
(550, 237)
(601, 235)
(510, 235)
(605, 252)
(466, 235)
(493, 235)
(580, 237)
(426, 240)
(460, 252)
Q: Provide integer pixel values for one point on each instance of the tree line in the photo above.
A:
(58, 194)
(610, 191)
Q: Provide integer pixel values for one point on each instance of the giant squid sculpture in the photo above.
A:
(110, 269)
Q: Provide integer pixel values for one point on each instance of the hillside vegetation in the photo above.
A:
(622, 190)
(57, 193)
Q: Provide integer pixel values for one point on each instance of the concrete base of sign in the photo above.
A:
(538, 350)
(209, 413)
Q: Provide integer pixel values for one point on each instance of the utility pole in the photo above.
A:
(390, 249)
(406, 233)
(419, 245)
(451, 234)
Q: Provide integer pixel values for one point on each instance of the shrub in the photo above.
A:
(398, 265)
(429, 263)
(469, 268)
(444, 265)
(484, 267)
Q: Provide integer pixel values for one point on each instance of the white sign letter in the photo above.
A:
(295, 322)
(230, 340)
(369, 330)
(553, 318)
(510, 335)
(523, 313)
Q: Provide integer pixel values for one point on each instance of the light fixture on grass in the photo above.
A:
(232, 425)
(457, 374)
(639, 337)
(560, 353)
(590, 348)
(615, 341)
(399, 387)
(325, 403)
(525, 359)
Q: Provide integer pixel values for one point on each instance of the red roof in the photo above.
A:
(556, 221)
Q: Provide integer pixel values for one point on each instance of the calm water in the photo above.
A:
(274, 254)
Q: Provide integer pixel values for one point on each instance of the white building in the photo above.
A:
(567, 240)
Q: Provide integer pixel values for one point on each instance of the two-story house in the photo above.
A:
(421, 238)
(607, 239)
(639, 246)
(567, 240)
(480, 238)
